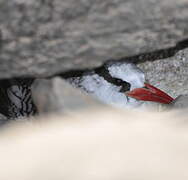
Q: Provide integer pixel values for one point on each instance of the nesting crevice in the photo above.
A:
(177, 53)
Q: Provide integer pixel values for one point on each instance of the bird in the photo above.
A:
(117, 83)
(120, 84)
(15, 97)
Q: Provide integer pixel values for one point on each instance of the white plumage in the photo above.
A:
(127, 72)
(98, 86)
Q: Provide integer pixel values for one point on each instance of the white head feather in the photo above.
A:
(109, 93)
(128, 72)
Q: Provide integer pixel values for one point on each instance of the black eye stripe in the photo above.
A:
(103, 72)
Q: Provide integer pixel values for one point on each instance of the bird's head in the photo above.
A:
(137, 87)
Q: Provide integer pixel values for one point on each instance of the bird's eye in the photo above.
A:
(119, 81)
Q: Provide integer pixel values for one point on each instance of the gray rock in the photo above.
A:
(170, 74)
(56, 95)
(45, 37)
(180, 102)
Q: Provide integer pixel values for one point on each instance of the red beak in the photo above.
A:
(150, 93)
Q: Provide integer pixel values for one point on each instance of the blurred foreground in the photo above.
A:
(98, 145)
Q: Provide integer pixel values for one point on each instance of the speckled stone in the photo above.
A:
(180, 102)
(41, 38)
(169, 74)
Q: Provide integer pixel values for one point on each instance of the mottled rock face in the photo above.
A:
(170, 74)
(180, 102)
(46, 37)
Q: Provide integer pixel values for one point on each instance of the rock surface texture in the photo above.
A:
(180, 102)
(170, 74)
(45, 37)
